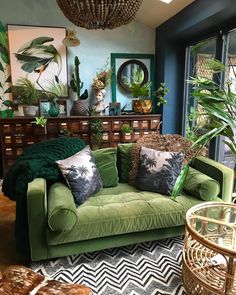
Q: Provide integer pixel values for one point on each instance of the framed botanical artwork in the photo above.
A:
(44, 106)
(37, 54)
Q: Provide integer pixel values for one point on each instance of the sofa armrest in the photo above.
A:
(37, 217)
(219, 172)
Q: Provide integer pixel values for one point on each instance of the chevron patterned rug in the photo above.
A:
(152, 268)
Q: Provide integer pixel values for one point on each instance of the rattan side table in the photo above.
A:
(209, 255)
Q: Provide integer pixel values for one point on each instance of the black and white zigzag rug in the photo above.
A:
(152, 268)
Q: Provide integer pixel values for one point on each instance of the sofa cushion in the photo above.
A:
(158, 170)
(201, 186)
(105, 160)
(162, 142)
(62, 212)
(81, 174)
(124, 162)
(124, 209)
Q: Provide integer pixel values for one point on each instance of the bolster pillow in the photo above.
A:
(201, 186)
(62, 212)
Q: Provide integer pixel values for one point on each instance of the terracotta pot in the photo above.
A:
(142, 106)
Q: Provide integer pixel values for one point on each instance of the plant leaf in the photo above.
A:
(8, 80)
(8, 90)
(231, 145)
(179, 184)
(1, 67)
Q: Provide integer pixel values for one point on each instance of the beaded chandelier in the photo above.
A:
(99, 14)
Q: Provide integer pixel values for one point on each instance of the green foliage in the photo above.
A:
(160, 93)
(96, 130)
(92, 110)
(75, 83)
(57, 88)
(126, 128)
(26, 91)
(40, 121)
(219, 104)
(8, 103)
(138, 90)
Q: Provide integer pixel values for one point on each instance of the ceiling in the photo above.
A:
(154, 12)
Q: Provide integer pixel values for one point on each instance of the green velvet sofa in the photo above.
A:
(115, 216)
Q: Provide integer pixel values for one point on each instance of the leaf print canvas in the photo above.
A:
(38, 54)
(81, 175)
(158, 170)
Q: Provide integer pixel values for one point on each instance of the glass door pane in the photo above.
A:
(197, 56)
(225, 155)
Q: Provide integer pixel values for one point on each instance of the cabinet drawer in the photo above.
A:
(116, 125)
(74, 127)
(136, 135)
(84, 126)
(84, 136)
(154, 123)
(105, 137)
(135, 124)
(106, 125)
(144, 124)
(115, 136)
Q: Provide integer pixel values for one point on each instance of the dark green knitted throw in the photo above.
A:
(37, 160)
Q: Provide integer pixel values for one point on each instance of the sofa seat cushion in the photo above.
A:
(124, 209)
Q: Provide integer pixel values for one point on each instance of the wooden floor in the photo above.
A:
(8, 253)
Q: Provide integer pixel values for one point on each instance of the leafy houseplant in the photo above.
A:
(219, 104)
(141, 102)
(81, 104)
(27, 95)
(161, 93)
(126, 131)
(96, 130)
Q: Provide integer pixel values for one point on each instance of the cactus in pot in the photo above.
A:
(80, 106)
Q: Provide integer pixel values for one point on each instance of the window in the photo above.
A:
(225, 155)
(197, 56)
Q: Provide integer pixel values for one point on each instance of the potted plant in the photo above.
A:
(141, 102)
(9, 104)
(27, 95)
(219, 105)
(96, 131)
(126, 131)
(80, 106)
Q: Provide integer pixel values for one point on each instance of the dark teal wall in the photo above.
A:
(200, 19)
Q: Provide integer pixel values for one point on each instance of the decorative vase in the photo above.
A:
(53, 110)
(29, 111)
(10, 113)
(143, 106)
(3, 114)
(80, 107)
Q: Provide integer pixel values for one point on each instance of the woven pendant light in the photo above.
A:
(99, 14)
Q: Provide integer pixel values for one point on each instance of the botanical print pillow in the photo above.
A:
(158, 170)
(81, 175)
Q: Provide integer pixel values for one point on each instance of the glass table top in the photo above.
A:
(214, 223)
